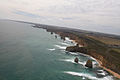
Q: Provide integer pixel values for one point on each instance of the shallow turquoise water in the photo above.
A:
(28, 53)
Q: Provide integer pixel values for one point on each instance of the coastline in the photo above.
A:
(100, 63)
(74, 37)
(112, 72)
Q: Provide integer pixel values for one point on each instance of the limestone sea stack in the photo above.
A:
(76, 60)
(89, 64)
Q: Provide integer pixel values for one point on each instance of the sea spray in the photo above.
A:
(60, 47)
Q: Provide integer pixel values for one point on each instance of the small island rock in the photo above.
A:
(89, 64)
(76, 60)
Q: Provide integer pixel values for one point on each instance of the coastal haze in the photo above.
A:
(101, 16)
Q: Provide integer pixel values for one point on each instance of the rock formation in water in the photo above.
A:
(76, 60)
(55, 36)
(51, 32)
(76, 49)
(89, 64)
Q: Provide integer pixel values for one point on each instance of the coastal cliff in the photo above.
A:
(96, 49)
(103, 60)
(92, 44)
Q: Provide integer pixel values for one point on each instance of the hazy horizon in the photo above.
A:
(101, 16)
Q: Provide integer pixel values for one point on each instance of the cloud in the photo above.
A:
(67, 18)
(27, 14)
(90, 14)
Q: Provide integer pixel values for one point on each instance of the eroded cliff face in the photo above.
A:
(72, 37)
(77, 49)
(104, 60)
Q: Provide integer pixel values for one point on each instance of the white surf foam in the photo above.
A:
(106, 78)
(68, 60)
(100, 70)
(94, 62)
(64, 44)
(51, 49)
(72, 61)
(81, 74)
(60, 47)
(73, 53)
(67, 39)
(85, 75)
(102, 73)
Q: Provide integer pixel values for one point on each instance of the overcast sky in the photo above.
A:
(95, 15)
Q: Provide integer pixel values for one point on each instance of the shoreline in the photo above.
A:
(110, 71)
(71, 36)
(100, 64)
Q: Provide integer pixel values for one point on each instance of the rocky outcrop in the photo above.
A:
(72, 37)
(76, 60)
(89, 64)
(55, 36)
(106, 61)
(76, 49)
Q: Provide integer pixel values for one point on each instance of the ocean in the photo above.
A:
(28, 53)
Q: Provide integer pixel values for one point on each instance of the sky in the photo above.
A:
(93, 15)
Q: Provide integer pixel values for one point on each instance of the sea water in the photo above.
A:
(28, 53)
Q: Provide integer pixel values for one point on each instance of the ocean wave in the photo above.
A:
(72, 61)
(73, 53)
(95, 62)
(64, 44)
(51, 49)
(67, 39)
(81, 75)
(106, 78)
(85, 75)
(60, 47)
(102, 72)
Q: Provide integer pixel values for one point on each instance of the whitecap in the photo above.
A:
(65, 44)
(67, 39)
(85, 75)
(68, 60)
(95, 64)
(72, 61)
(51, 49)
(81, 74)
(73, 53)
(61, 47)
(102, 73)
(100, 70)
(106, 78)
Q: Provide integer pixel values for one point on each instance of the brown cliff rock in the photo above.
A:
(76, 49)
(89, 64)
(76, 60)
